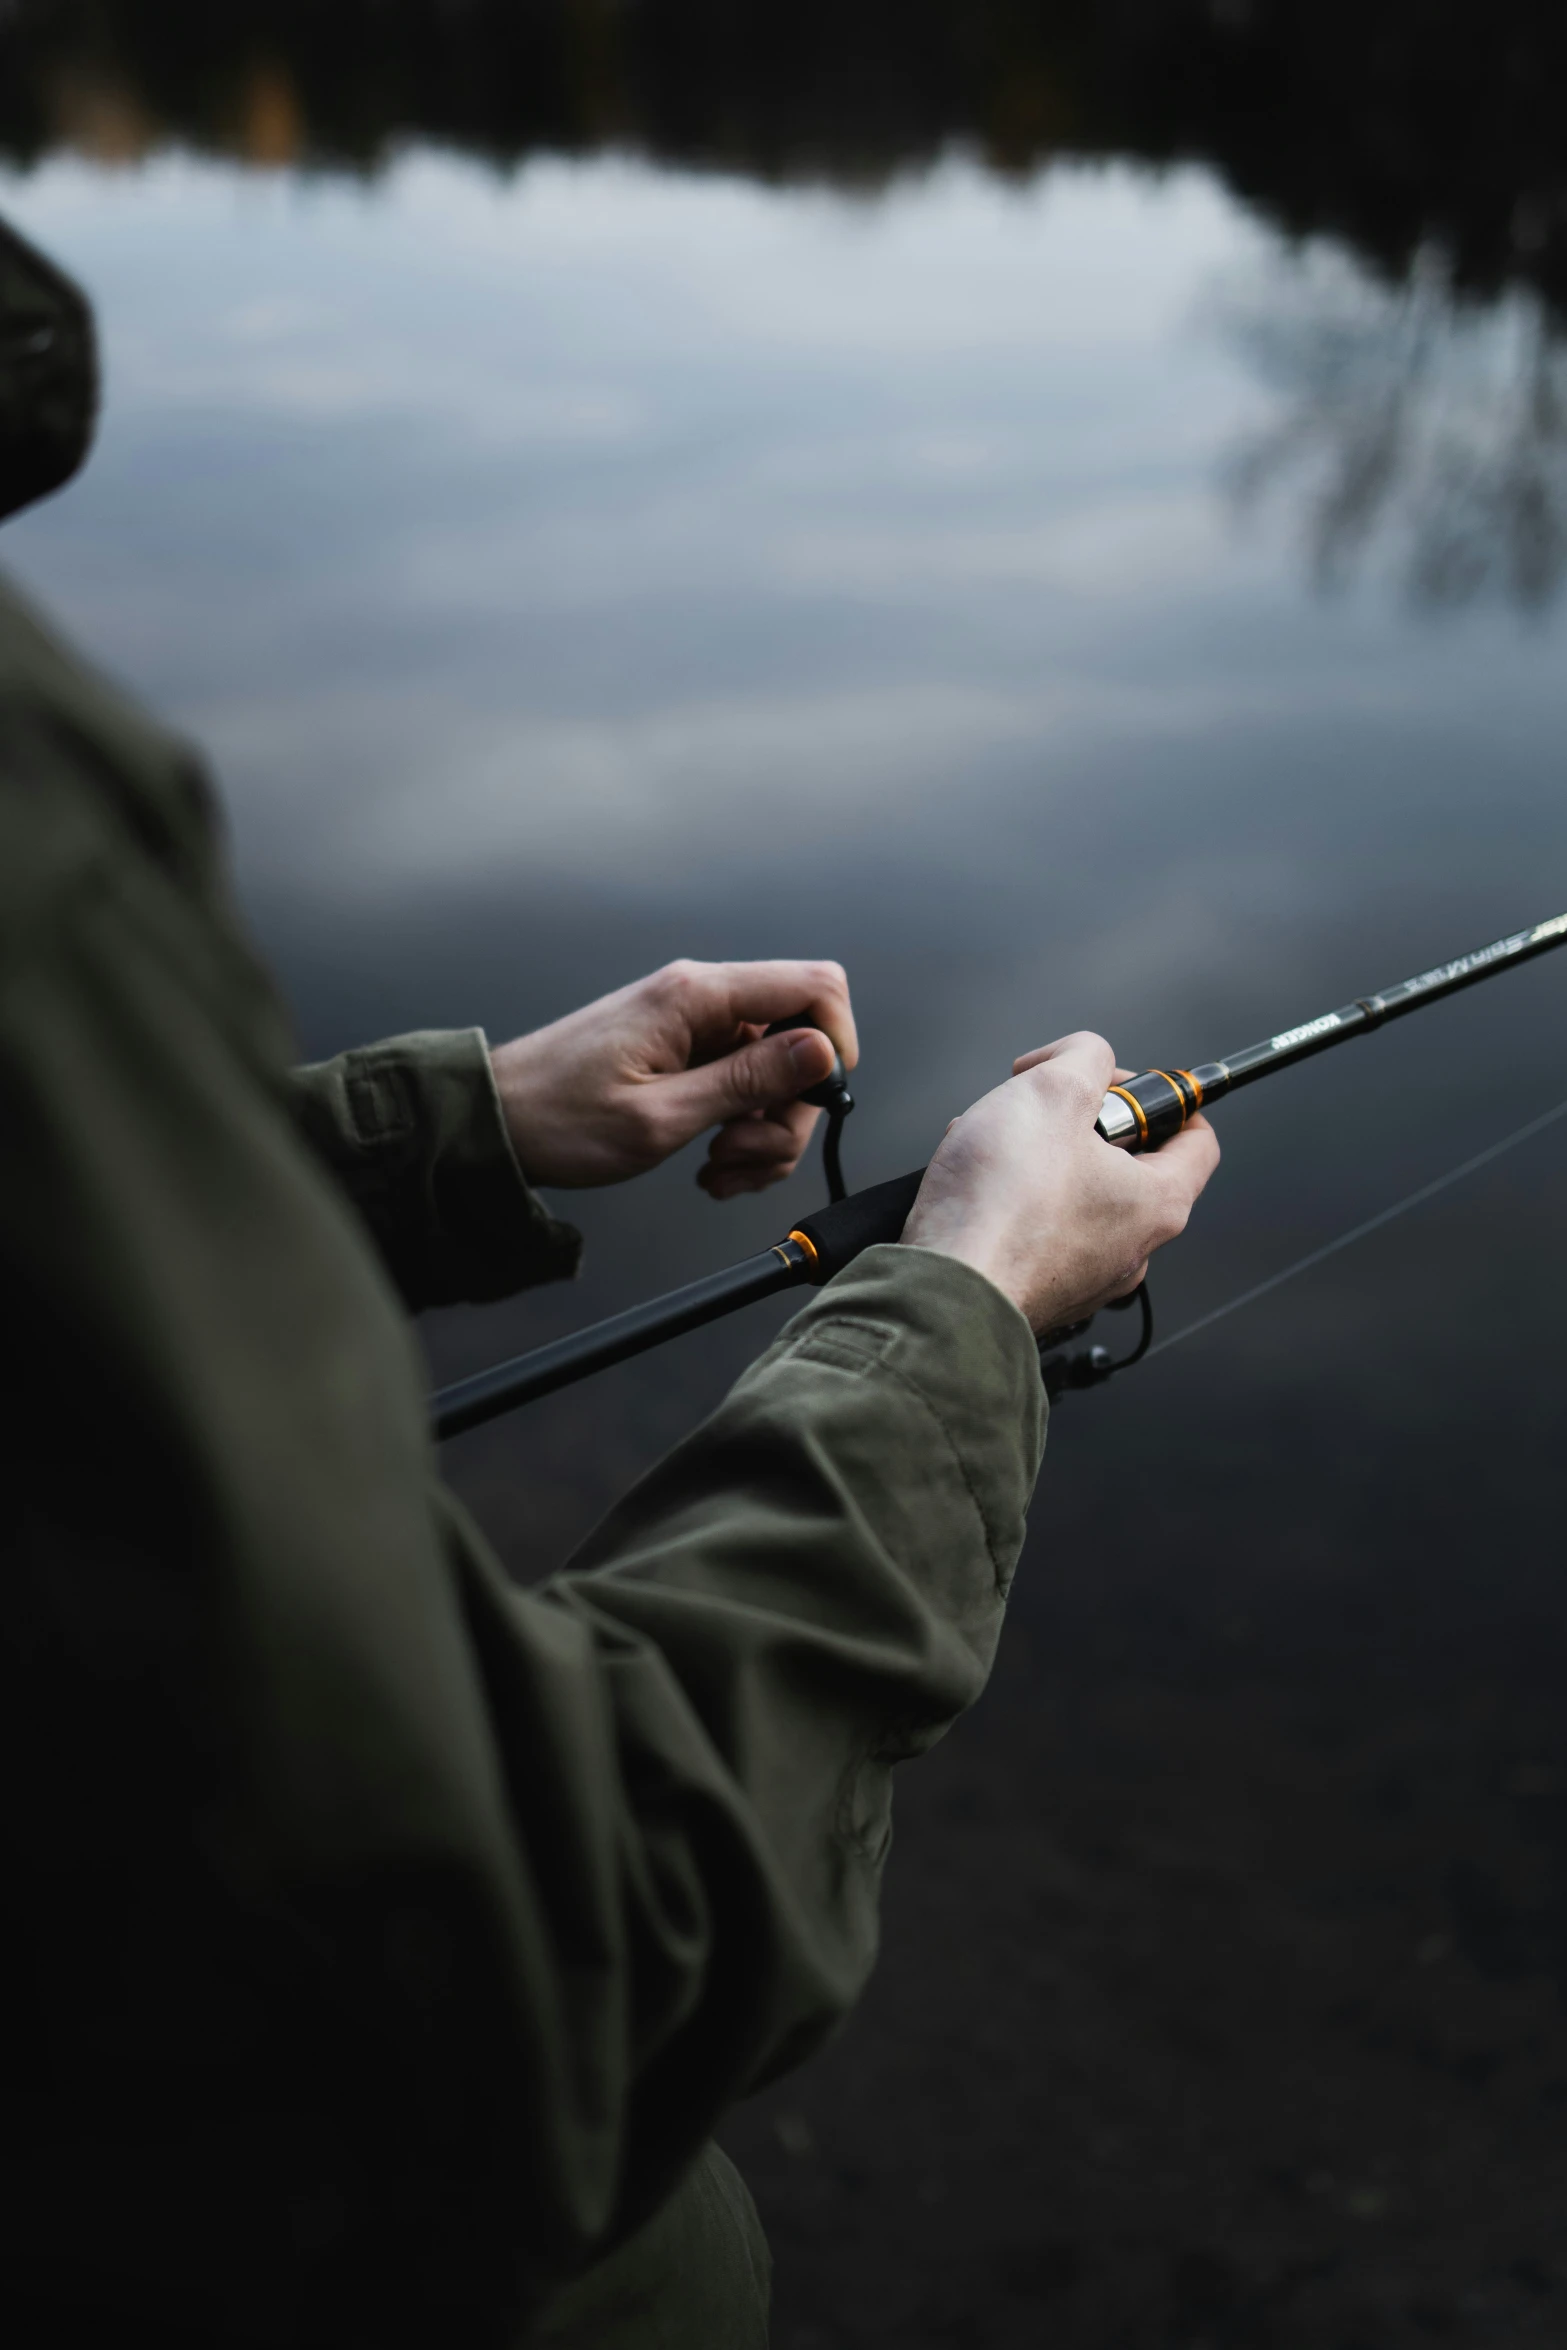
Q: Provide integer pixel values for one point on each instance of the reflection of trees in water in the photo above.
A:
(1407, 418)
(1393, 125)
(1423, 134)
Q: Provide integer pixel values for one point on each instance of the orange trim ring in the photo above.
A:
(1135, 1106)
(802, 1240)
(1179, 1081)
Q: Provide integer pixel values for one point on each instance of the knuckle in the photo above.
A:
(680, 979)
(764, 1070)
(670, 981)
(753, 1077)
(1172, 1222)
(1075, 1085)
(654, 1137)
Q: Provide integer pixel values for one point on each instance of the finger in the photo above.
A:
(760, 1076)
(1047, 1052)
(766, 1133)
(1130, 1286)
(1084, 1059)
(1187, 1160)
(764, 992)
(776, 1155)
(732, 1182)
(772, 1170)
(1084, 1051)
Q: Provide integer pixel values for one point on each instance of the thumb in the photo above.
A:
(757, 1076)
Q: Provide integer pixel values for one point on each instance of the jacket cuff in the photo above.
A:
(413, 1130)
(947, 1332)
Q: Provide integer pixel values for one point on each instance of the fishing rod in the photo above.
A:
(1136, 1116)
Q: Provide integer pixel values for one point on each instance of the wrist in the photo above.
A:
(525, 1129)
(946, 1232)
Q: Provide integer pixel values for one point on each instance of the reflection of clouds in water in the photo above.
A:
(1408, 420)
(604, 531)
(584, 522)
(449, 285)
(375, 803)
(1114, 547)
(420, 794)
(1101, 547)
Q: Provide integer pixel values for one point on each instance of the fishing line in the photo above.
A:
(1372, 1224)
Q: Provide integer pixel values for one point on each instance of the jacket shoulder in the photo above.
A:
(98, 803)
(86, 778)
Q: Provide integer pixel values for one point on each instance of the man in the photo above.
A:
(387, 1940)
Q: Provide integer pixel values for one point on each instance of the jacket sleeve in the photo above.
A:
(397, 1935)
(804, 1594)
(413, 1131)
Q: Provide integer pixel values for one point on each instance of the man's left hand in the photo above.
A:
(619, 1086)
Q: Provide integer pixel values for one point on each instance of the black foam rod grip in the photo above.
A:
(838, 1233)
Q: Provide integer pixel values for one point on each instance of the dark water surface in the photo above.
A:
(1067, 602)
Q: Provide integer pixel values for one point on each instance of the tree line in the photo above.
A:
(1402, 127)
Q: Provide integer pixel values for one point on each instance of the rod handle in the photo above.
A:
(835, 1236)
(1147, 1110)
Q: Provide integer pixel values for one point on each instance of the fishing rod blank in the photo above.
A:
(818, 1247)
(527, 1377)
(1147, 1110)
(1136, 1116)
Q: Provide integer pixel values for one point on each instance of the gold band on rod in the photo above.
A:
(1186, 1089)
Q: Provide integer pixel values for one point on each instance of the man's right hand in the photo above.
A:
(1023, 1189)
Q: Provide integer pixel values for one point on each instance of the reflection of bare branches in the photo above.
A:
(1405, 417)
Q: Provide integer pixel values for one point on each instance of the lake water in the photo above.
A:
(1068, 604)
(573, 568)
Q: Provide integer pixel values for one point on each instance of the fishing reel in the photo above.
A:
(1090, 1366)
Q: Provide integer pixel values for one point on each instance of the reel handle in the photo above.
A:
(830, 1093)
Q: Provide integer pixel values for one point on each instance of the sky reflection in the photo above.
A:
(541, 528)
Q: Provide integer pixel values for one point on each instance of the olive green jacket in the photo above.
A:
(390, 1939)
